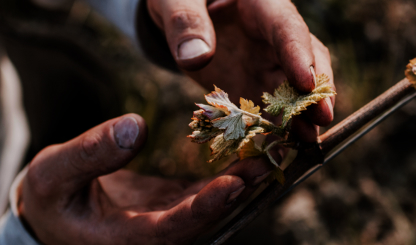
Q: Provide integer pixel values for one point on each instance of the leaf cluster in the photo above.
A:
(232, 128)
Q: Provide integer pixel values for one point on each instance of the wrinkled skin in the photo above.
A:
(75, 193)
(254, 46)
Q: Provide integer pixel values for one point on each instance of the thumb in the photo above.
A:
(199, 213)
(188, 28)
(68, 167)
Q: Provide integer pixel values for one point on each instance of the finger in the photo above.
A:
(322, 113)
(68, 167)
(252, 171)
(303, 129)
(188, 29)
(200, 212)
(282, 26)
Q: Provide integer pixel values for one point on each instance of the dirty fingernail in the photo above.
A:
(235, 194)
(261, 178)
(192, 48)
(126, 132)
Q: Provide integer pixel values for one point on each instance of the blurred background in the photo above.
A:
(78, 71)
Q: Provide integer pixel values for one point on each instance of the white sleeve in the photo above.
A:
(12, 231)
(122, 13)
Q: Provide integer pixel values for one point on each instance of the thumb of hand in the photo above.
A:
(68, 167)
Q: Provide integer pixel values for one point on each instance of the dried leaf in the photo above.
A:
(221, 147)
(276, 174)
(250, 150)
(411, 72)
(248, 106)
(287, 99)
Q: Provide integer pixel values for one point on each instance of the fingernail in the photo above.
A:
(192, 48)
(330, 108)
(235, 194)
(313, 75)
(260, 178)
(126, 132)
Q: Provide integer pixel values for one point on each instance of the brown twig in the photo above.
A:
(358, 119)
(312, 155)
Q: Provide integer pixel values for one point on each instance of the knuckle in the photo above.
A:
(184, 19)
(90, 146)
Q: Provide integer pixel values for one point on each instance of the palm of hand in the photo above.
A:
(73, 193)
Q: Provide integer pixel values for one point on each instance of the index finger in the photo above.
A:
(281, 25)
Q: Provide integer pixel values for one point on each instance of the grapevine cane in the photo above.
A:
(311, 157)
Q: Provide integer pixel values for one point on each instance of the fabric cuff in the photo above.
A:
(12, 231)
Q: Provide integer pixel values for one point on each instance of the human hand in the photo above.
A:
(74, 193)
(247, 47)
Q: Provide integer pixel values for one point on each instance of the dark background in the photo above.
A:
(78, 71)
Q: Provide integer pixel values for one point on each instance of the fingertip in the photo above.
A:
(194, 54)
(215, 199)
(322, 113)
(252, 170)
(130, 132)
(300, 71)
(190, 34)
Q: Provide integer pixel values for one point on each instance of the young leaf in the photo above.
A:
(204, 136)
(250, 150)
(285, 97)
(211, 112)
(276, 174)
(248, 105)
(221, 147)
(411, 71)
(203, 131)
(236, 120)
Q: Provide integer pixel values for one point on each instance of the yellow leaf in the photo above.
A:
(278, 175)
(250, 149)
(411, 72)
(248, 106)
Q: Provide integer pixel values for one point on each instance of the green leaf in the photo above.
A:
(287, 99)
(236, 120)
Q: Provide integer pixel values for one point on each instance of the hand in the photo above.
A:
(247, 47)
(74, 193)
